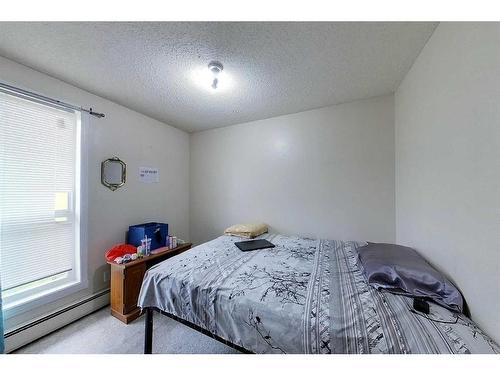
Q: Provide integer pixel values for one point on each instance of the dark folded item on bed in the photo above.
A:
(254, 245)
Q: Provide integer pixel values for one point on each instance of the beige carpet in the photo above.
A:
(101, 333)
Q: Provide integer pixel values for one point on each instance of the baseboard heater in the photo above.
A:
(35, 329)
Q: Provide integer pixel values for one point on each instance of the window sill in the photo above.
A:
(42, 298)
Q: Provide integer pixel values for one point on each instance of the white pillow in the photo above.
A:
(249, 230)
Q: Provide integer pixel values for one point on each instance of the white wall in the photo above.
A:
(139, 141)
(327, 173)
(447, 114)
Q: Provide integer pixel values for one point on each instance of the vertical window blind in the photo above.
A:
(38, 167)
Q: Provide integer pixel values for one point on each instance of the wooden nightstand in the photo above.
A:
(126, 281)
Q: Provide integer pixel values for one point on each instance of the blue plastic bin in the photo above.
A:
(158, 232)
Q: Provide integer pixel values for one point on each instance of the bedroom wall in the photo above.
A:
(447, 116)
(327, 173)
(139, 141)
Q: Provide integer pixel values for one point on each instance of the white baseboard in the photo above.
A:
(49, 323)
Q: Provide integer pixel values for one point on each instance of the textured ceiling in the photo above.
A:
(272, 68)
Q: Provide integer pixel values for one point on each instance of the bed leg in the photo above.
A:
(148, 331)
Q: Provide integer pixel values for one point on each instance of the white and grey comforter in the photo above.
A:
(303, 296)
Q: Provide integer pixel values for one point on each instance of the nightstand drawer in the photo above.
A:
(132, 286)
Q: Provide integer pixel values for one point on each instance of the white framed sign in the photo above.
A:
(149, 175)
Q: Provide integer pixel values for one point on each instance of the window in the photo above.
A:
(40, 202)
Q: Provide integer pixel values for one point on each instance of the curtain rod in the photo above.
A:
(50, 100)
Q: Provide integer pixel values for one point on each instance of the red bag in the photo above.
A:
(119, 251)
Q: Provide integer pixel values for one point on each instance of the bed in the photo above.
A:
(302, 296)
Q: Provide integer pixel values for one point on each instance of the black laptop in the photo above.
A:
(254, 245)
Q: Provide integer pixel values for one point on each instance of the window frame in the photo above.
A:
(78, 279)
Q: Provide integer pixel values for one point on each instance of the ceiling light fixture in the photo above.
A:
(212, 78)
(215, 68)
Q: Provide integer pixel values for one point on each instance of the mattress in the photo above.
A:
(302, 296)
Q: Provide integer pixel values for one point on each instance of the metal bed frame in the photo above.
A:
(148, 331)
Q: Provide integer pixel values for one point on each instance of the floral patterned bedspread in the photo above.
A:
(303, 296)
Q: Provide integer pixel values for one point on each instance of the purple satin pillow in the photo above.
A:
(402, 270)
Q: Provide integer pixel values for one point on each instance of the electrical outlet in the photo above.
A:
(105, 276)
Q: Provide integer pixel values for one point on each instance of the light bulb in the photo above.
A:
(215, 68)
(212, 78)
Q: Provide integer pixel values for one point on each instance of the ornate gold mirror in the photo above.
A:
(113, 173)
